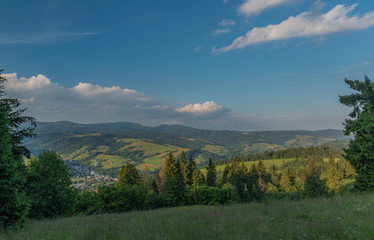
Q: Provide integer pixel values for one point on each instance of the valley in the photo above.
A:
(104, 148)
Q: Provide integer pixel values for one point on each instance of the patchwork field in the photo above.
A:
(105, 147)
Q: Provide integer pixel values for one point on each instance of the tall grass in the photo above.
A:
(342, 217)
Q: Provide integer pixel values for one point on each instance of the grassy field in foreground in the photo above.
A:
(344, 217)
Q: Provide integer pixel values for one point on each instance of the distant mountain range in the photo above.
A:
(105, 147)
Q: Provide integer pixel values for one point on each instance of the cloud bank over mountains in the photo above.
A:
(85, 102)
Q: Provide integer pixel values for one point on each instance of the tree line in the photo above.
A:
(180, 182)
(296, 152)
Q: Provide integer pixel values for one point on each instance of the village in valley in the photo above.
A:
(86, 179)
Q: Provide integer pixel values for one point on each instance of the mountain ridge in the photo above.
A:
(106, 146)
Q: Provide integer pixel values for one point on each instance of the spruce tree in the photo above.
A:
(287, 181)
(332, 174)
(261, 169)
(160, 178)
(180, 186)
(225, 175)
(291, 175)
(174, 181)
(184, 167)
(314, 186)
(211, 175)
(197, 178)
(14, 127)
(149, 182)
(170, 168)
(190, 170)
(13, 202)
(274, 176)
(238, 177)
(129, 175)
(361, 124)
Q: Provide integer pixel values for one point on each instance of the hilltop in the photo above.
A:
(105, 147)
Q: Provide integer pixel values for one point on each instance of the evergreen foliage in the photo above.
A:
(48, 187)
(149, 182)
(287, 181)
(333, 180)
(211, 176)
(190, 170)
(361, 124)
(314, 186)
(14, 127)
(184, 168)
(174, 180)
(129, 175)
(160, 178)
(13, 202)
(198, 178)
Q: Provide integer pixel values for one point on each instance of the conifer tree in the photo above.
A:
(332, 174)
(14, 127)
(170, 168)
(149, 182)
(261, 169)
(129, 175)
(160, 178)
(350, 172)
(174, 181)
(225, 175)
(190, 170)
(287, 181)
(290, 175)
(211, 175)
(361, 124)
(198, 178)
(342, 168)
(314, 186)
(235, 165)
(13, 202)
(274, 176)
(184, 167)
(179, 187)
(238, 177)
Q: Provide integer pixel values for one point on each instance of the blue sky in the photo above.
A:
(222, 64)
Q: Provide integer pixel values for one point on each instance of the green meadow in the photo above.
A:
(342, 217)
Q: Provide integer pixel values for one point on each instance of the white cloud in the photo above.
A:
(198, 108)
(255, 7)
(26, 84)
(220, 31)
(92, 90)
(226, 22)
(304, 25)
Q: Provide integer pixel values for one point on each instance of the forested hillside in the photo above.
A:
(105, 147)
